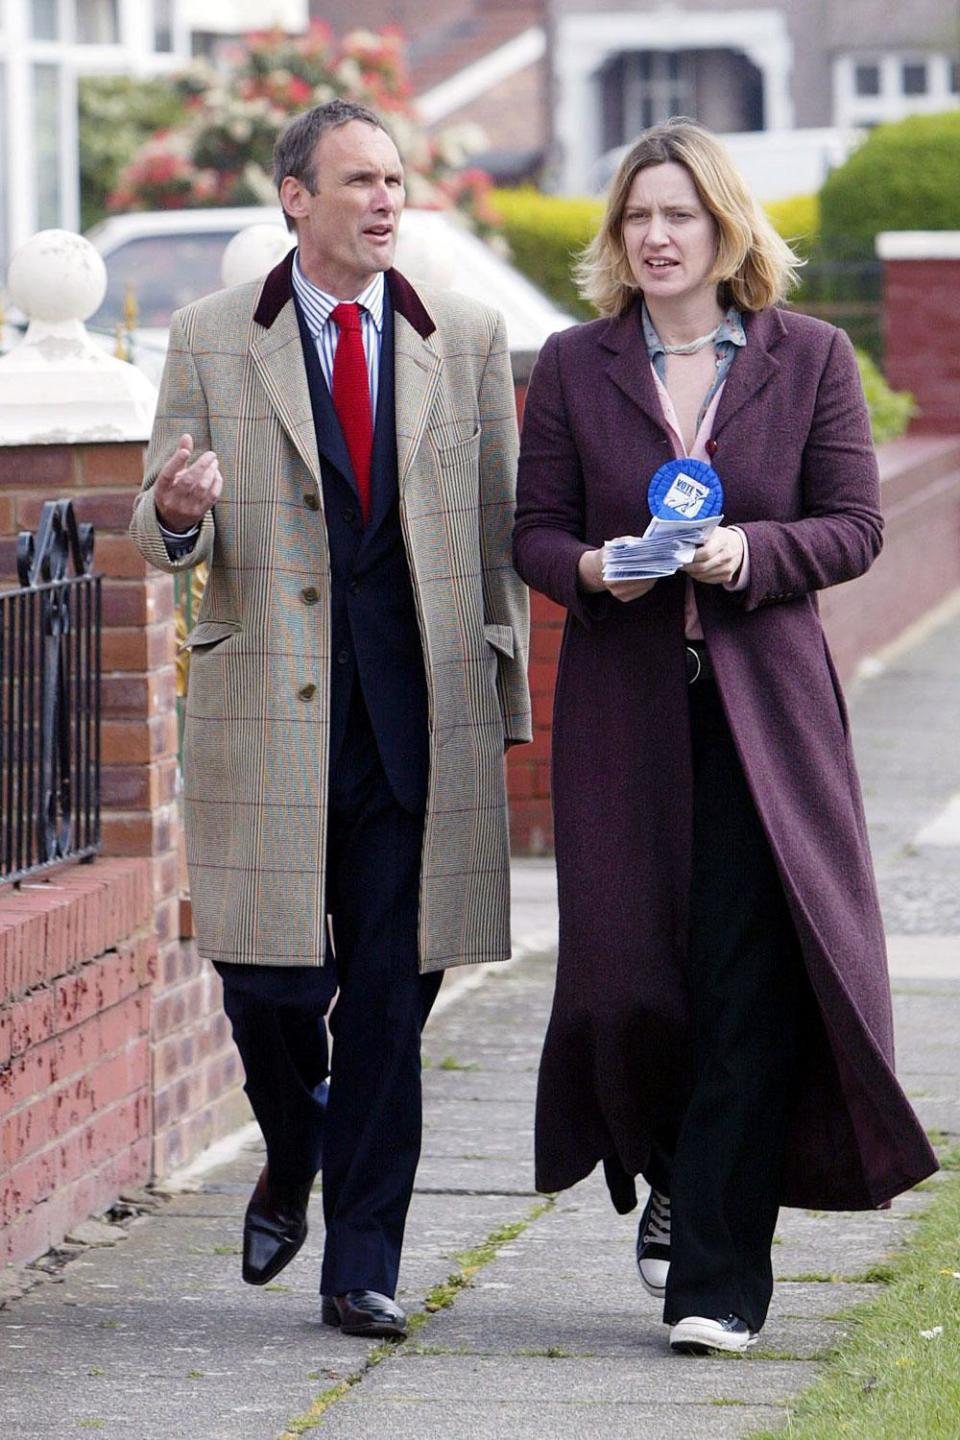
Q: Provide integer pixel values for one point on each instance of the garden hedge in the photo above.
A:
(905, 176)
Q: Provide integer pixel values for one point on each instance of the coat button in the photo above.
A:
(307, 692)
(354, 587)
(310, 596)
(350, 515)
(311, 500)
(711, 448)
(343, 656)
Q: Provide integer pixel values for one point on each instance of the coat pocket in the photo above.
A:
(501, 638)
(451, 447)
(209, 632)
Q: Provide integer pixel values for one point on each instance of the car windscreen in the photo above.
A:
(162, 272)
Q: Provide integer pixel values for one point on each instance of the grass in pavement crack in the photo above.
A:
(441, 1297)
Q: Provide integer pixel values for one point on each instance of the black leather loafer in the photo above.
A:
(274, 1228)
(365, 1312)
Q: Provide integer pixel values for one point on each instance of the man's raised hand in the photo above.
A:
(185, 491)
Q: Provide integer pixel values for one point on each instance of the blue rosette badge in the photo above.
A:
(685, 490)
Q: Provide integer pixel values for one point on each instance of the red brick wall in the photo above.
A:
(77, 956)
(195, 1077)
(920, 561)
(921, 325)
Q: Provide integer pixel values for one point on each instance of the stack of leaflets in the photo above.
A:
(663, 547)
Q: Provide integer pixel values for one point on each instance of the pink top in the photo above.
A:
(692, 626)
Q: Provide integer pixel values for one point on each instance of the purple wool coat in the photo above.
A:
(793, 450)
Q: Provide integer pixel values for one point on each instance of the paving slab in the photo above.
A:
(593, 1419)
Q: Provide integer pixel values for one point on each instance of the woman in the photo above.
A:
(721, 1022)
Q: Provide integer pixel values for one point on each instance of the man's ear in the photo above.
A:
(294, 197)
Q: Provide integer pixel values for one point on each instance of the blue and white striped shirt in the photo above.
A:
(318, 306)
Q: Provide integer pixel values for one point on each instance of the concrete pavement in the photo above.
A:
(154, 1337)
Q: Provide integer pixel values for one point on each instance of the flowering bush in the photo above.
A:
(221, 153)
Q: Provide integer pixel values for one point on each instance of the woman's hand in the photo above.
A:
(718, 560)
(590, 575)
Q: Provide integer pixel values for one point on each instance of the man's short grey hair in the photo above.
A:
(295, 151)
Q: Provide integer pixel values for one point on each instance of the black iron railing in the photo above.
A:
(50, 699)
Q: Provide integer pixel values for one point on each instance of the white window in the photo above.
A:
(866, 79)
(163, 26)
(47, 139)
(97, 22)
(914, 77)
(656, 85)
(44, 20)
(869, 89)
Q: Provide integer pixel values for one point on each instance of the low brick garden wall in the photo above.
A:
(77, 960)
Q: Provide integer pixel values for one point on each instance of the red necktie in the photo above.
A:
(351, 398)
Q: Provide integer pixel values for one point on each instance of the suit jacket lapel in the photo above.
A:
(329, 432)
(383, 472)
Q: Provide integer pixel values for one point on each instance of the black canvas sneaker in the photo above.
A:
(653, 1244)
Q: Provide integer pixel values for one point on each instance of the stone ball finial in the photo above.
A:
(255, 250)
(57, 276)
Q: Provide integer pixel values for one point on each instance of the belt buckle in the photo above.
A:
(693, 654)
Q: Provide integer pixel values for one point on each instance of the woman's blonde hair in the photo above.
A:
(754, 268)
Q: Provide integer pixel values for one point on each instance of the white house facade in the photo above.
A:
(744, 68)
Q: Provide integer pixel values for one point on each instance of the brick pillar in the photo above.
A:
(921, 324)
(195, 1073)
(528, 766)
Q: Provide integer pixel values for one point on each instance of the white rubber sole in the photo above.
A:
(696, 1335)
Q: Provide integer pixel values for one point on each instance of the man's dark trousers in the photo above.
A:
(365, 1129)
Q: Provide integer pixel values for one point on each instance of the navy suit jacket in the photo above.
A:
(375, 636)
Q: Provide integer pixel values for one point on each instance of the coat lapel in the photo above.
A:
(416, 370)
(627, 364)
(277, 353)
(753, 366)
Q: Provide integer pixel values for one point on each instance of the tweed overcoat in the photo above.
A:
(257, 724)
(793, 449)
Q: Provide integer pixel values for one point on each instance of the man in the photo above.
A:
(346, 464)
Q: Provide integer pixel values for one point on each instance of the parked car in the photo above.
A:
(161, 260)
(164, 259)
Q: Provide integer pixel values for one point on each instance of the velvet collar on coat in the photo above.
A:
(278, 290)
(628, 363)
